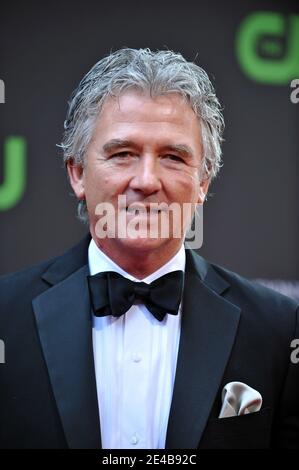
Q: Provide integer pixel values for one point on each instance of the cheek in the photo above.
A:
(184, 188)
(104, 188)
(96, 179)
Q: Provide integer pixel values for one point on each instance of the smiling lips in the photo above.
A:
(140, 208)
(137, 210)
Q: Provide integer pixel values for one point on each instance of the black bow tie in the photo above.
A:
(113, 294)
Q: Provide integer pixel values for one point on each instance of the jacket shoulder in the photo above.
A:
(29, 282)
(254, 290)
(11, 282)
(253, 298)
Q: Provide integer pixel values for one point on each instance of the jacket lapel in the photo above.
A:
(64, 325)
(209, 326)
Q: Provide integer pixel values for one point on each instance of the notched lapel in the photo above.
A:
(64, 325)
(209, 326)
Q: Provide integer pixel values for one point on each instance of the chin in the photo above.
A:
(146, 245)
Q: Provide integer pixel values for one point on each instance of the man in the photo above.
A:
(187, 354)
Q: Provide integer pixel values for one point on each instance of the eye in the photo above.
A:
(174, 158)
(121, 155)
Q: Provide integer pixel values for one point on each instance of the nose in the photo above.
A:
(146, 177)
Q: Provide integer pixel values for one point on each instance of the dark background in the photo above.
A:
(251, 219)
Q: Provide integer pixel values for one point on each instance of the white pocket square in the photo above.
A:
(239, 399)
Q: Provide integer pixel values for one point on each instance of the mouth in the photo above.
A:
(144, 209)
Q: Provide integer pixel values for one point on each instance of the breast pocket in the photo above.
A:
(251, 431)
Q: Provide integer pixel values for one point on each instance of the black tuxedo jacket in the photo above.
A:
(232, 330)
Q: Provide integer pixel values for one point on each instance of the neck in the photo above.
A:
(139, 262)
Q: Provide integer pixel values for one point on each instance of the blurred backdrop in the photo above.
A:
(250, 49)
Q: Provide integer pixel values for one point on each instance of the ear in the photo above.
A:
(203, 190)
(76, 175)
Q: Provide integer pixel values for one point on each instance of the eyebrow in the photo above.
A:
(120, 143)
(117, 143)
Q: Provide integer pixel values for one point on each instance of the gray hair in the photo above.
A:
(156, 73)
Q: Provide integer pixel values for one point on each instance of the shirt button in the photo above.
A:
(137, 357)
(134, 439)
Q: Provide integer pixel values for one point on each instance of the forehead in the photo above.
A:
(129, 102)
(134, 110)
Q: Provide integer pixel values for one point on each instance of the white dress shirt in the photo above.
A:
(135, 359)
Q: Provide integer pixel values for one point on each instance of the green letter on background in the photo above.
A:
(268, 29)
(14, 173)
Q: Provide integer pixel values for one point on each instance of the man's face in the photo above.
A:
(148, 150)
